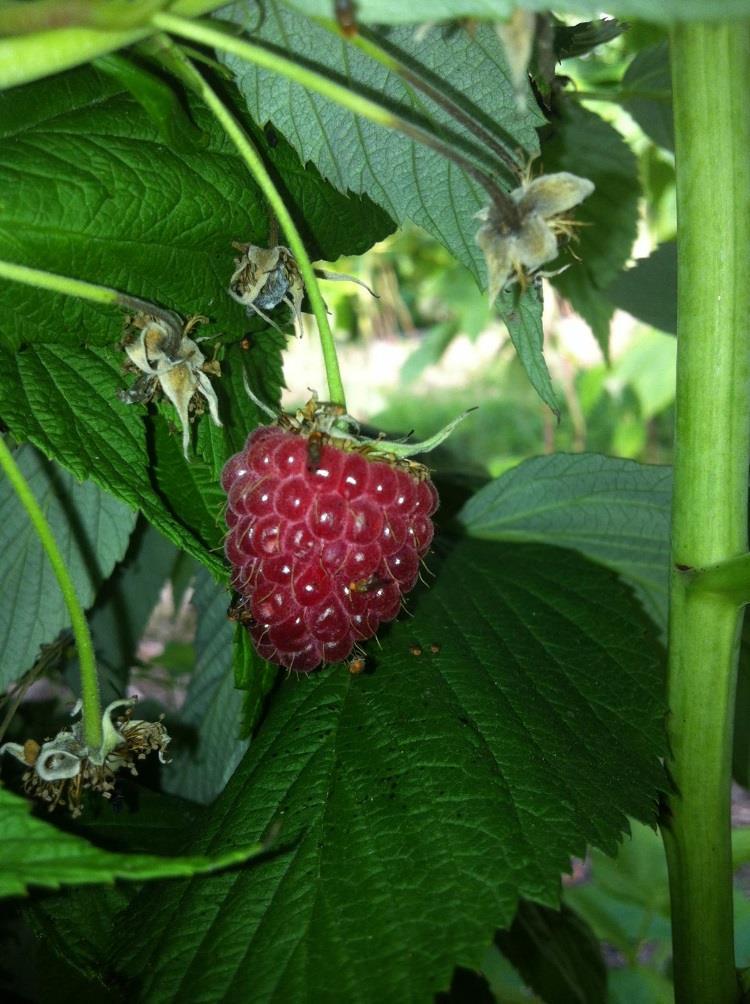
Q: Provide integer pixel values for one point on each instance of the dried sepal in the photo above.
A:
(265, 277)
(62, 768)
(514, 252)
(171, 362)
(331, 422)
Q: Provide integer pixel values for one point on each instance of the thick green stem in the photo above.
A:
(311, 80)
(92, 709)
(28, 57)
(264, 181)
(711, 80)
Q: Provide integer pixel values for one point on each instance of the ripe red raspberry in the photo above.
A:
(323, 542)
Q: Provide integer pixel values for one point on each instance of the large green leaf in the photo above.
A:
(417, 802)
(64, 401)
(614, 511)
(407, 179)
(92, 531)
(90, 190)
(35, 853)
(585, 144)
(396, 12)
(648, 290)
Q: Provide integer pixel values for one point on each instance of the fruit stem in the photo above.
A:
(367, 42)
(365, 107)
(711, 79)
(248, 152)
(92, 708)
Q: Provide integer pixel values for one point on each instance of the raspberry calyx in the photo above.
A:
(325, 539)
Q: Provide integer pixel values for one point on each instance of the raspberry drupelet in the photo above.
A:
(323, 541)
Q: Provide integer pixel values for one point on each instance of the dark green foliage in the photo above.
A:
(462, 777)
(557, 954)
(648, 290)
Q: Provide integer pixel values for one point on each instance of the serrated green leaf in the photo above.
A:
(522, 313)
(557, 954)
(396, 12)
(212, 708)
(614, 511)
(648, 290)
(92, 530)
(123, 209)
(64, 401)
(586, 145)
(35, 853)
(464, 777)
(407, 179)
(647, 93)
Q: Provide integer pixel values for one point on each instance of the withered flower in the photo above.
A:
(171, 361)
(61, 769)
(514, 251)
(265, 277)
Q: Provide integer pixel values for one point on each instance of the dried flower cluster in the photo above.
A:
(61, 769)
(515, 251)
(265, 277)
(170, 361)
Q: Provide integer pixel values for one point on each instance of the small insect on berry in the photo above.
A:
(314, 450)
(357, 666)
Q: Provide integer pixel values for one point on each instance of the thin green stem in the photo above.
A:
(263, 179)
(366, 42)
(82, 290)
(313, 81)
(711, 79)
(92, 709)
(58, 283)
